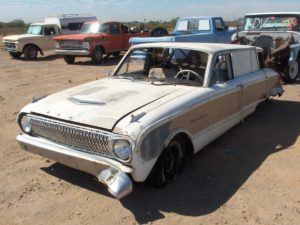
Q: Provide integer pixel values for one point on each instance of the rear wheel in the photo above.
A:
(169, 163)
(69, 59)
(293, 72)
(97, 55)
(15, 55)
(30, 52)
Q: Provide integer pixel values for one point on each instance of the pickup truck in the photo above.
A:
(205, 29)
(98, 39)
(265, 30)
(39, 35)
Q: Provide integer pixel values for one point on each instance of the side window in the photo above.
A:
(114, 29)
(74, 26)
(49, 31)
(219, 25)
(221, 69)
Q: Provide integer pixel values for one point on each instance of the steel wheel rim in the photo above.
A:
(293, 71)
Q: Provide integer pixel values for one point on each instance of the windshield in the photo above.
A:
(35, 29)
(173, 65)
(94, 28)
(273, 23)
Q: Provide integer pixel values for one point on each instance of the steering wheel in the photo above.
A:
(186, 75)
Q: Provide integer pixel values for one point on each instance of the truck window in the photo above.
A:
(219, 25)
(114, 29)
(222, 69)
(49, 31)
(74, 26)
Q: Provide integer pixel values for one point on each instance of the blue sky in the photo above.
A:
(128, 10)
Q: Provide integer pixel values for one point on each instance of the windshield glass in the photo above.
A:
(273, 23)
(35, 29)
(182, 66)
(94, 28)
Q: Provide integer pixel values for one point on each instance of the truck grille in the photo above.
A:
(9, 44)
(71, 45)
(78, 137)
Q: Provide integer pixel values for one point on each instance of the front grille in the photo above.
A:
(71, 45)
(9, 45)
(74, 136)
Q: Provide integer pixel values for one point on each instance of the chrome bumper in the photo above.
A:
(72, 52)
(110, 172)
(10, 49)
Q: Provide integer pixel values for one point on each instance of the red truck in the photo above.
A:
(98, 39)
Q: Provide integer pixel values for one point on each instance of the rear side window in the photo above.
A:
(244, 62)
(222, 69)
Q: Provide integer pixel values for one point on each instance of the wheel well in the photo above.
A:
(39, 49)
(188, 143)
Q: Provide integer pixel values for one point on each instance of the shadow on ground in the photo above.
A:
(213, 175)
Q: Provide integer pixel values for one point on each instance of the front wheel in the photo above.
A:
(15, 55)
(97, 55)
(169, 163)
(293, 72)
(30, 52)
(69, 59)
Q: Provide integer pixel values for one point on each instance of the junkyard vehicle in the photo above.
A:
(162, 102)
(279, 35)
(39, 35)
(206, 29)
(96, 40)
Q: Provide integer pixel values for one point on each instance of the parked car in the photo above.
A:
(98, 39)
(162, 102)
(205, 29)
(264, 29)
(39, 35)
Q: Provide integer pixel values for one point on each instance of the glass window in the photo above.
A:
(222, 69)
(219, 25)
(35, 29)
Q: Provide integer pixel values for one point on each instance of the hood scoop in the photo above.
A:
(82, 101)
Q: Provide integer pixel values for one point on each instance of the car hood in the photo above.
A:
(100, 103)
(20, 37)
(78, 37)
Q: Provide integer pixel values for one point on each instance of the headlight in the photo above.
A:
(57, 45)
(86, 45)
(122, 149)
(25, 124)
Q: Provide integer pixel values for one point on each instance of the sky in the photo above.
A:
(140, 10)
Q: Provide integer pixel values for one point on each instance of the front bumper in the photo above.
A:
(11, 49)
(72, 52)
(110, 172)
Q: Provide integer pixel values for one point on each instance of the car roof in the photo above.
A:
(205, 47)
(273, 13)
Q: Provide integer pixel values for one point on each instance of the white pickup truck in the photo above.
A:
(39, 35)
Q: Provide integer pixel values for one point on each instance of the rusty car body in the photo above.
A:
(162, 102)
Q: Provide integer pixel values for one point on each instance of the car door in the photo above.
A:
(49, 33)
(116, 38)
(224, 108)
(251, 79)
(221, 34)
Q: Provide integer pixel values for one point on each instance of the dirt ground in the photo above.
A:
(250, 175)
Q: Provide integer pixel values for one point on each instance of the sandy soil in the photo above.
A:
(250, 175)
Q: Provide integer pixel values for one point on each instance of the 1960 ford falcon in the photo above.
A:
(163, 101)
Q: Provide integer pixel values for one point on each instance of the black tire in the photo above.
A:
(15, 55)
(97, 55)
(159, 32)
(293, 72)
(169, 164)
(69, 59)
(30, 52)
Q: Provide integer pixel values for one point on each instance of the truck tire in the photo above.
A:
(30, 52)
(293, 72)
(159, 32)
(69, 59)
(15, 55)
(169, 164)
(97, 55)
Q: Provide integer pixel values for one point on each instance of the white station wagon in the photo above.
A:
(163, 101)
